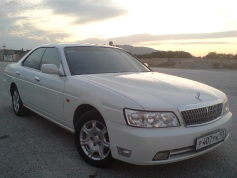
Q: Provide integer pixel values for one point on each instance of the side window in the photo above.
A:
(33, 60)
(51, 56)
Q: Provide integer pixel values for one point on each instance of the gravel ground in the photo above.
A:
(34, 147)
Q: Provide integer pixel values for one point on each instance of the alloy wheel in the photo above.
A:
(16, 101)
(94, 140)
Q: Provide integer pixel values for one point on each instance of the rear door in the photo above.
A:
(26, 82)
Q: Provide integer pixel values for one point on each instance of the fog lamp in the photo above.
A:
(163, 155)
(124, 152)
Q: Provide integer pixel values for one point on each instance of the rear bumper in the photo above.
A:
(144, 143)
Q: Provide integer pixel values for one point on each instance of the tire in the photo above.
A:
(92, 140)
(17, 104)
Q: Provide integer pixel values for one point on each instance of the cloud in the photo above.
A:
(6, 20)
(11, 14)
(176, 39)
(17, 23)
(85, 11)
(94, 41)
(17, 29)
(147, 38)
(29, 37)
(187, 43)
(201, 42)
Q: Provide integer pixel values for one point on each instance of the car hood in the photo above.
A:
(153, 90)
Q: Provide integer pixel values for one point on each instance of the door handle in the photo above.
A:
(37, 79)
(17, 73)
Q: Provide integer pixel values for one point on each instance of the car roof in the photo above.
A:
(62, 45)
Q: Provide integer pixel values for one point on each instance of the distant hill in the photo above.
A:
(137, 50)
(166, 54)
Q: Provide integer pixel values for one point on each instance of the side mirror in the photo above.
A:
(51, 69)
(146, 64)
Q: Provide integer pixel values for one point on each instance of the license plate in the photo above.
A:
(210, 139)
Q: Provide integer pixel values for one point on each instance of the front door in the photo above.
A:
(50, 91)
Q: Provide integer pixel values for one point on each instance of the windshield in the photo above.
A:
(94, 60)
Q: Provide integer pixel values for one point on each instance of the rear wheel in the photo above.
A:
(92, 140)
(17, 104)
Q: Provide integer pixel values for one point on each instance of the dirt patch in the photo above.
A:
(192, 63)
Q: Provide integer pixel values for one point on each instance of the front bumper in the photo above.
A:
(146, 142)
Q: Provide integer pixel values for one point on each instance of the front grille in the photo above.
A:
(202, 115)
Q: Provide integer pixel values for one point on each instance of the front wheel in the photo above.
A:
(92, 140)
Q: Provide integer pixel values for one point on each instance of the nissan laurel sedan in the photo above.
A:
(116, 106)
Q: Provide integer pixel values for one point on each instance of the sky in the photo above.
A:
(197, 27)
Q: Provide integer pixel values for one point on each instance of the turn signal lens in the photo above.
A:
(225, 107)
(124, 152)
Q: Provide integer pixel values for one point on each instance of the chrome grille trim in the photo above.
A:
(200, 116)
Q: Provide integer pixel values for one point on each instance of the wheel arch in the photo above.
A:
(12, 86)
(82, 109)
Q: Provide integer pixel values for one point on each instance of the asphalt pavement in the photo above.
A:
(34, 147)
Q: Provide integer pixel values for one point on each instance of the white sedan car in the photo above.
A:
(116, 106)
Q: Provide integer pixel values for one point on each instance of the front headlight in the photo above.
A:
(225, 107)
(150, 119)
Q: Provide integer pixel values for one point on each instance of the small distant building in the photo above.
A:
(12, 55)
(1, 55)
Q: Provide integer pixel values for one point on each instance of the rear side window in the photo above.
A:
(34, 59)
